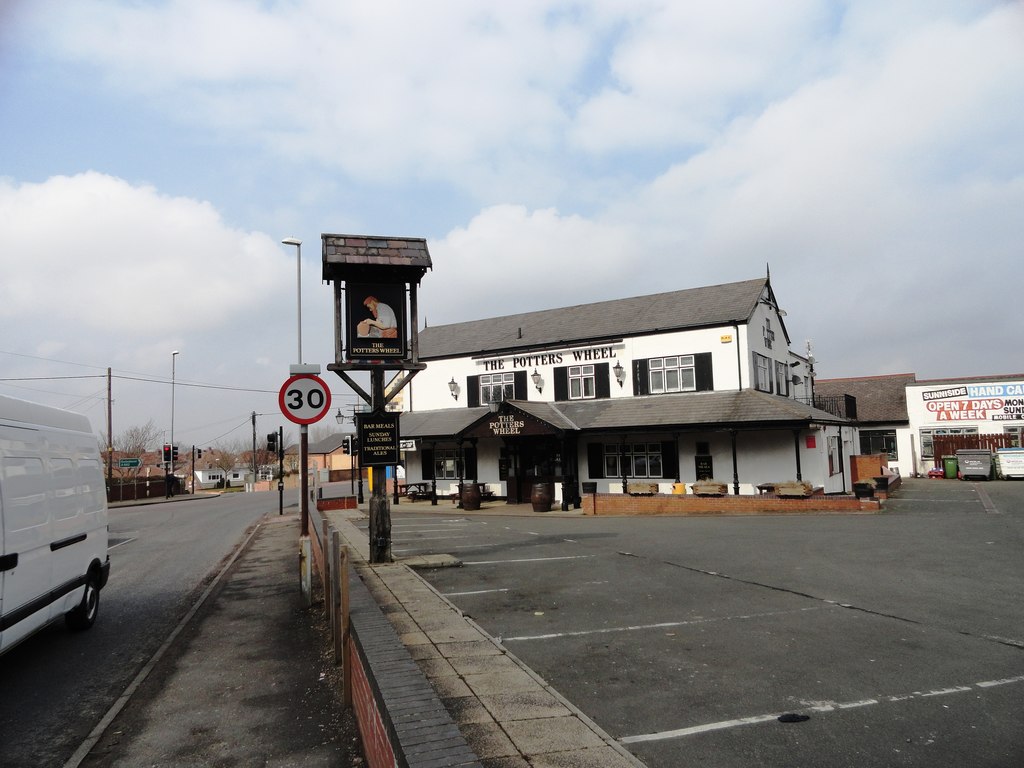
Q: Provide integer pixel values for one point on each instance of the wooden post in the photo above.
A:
(346, 628)
(327, 549)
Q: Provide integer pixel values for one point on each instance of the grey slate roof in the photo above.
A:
(880, 399)
(677, 310)
(343, 254)
(743, 409)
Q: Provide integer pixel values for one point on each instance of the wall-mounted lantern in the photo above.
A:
(620, 373)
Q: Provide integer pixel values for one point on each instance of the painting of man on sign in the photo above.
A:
(383, 324)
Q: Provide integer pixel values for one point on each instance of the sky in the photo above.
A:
(870, 154)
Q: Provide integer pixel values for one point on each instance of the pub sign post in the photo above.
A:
(375, 281)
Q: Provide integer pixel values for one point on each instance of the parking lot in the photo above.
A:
(892, 639)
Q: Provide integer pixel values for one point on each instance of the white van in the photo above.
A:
(53, 520)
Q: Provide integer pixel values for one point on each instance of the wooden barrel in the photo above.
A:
(540, 497)
(471, 496)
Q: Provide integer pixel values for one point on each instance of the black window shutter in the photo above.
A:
(641, 379)
(470, 454)
(595, 460)
(561, 384)
(702, 372)
(519, 386)
(472, 391)
(427, 457)
(602, 380)
(669, 459)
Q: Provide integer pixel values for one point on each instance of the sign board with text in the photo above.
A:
(379, 440)
(304, 399)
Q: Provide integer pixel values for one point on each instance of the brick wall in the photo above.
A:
(622, 504)
(376, 744)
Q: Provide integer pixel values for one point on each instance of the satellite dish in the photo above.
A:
(796, 379)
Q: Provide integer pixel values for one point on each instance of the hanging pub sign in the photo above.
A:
(375, 321)
(379, 441)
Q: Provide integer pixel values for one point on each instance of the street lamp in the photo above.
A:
(170, 465)
(298, 276)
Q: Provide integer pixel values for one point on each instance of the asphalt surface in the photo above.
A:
(894, 638)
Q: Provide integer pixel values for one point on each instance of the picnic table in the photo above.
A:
(416, 491)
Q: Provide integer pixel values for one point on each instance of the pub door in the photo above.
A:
(539, 461)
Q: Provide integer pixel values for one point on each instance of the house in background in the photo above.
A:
(881, 414)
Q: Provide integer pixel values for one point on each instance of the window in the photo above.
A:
(928, 435)
(781, 378)
(446, 464)
(672, 374)
(879, 441)
(641, 460)
(495, 387)
(1016, 434)
(762, 373)
(581, 382)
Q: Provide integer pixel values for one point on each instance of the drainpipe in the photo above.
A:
(735, 466)
(739, 358)
(796, 445)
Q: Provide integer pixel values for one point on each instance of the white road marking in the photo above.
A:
(660, 625)
(120, 543)
(475, 592)
(525, 560)
(822, 708)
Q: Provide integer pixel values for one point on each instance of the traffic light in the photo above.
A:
(272, 443)
(174, 453)
(167, 453)
(199, 453)
(345, 446)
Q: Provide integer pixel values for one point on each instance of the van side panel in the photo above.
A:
(27, 534)
(53, 516)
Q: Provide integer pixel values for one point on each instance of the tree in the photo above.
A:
(226, 457)
(133, 443)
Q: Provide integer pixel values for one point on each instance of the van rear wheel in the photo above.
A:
(84, 614)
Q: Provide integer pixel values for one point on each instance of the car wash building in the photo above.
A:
(652, 392)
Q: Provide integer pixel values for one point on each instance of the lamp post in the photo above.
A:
(170, 464)
(298, 277)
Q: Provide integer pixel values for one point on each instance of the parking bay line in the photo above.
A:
(818, 709)
(526, 560)
(660, 625)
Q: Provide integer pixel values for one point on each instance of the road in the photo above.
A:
(894, 639)
(58, 685)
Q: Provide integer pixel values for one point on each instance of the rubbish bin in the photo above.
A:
(949, 464)
(975, 463)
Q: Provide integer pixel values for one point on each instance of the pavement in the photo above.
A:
(248, 678)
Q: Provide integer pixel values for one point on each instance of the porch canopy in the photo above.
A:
(745, 409)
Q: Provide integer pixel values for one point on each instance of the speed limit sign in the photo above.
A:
(304, 399)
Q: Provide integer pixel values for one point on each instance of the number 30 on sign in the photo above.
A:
(304, 399)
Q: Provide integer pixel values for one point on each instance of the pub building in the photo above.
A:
(645, 394)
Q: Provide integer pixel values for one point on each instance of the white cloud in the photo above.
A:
(108, 256)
